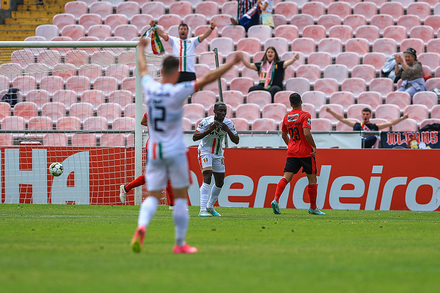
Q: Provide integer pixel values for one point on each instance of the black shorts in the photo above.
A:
(293, 165)
(186, 76)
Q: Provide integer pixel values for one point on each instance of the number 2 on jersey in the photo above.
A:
(158, 115)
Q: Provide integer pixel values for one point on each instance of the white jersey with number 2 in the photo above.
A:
(164, 107)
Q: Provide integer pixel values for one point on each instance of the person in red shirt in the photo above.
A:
(301, 152)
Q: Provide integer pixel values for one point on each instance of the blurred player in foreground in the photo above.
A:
(167, 158)
(301, 152)
(212, 131)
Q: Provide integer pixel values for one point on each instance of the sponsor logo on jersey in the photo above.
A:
(292, 117)
(309, 122)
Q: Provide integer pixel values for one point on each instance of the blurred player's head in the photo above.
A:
(170, 69)
(366, 115)
(183, 31)
(220, 110)
(295, 100)
(270, 55)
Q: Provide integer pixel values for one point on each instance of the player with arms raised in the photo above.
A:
(212, 131)
(167, 158)
(301, 152)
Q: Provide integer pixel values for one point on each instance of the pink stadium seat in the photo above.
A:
(423, 32)
(338, 109)
(100, 31)
(330, 45)
(193, 112)
(195, 20)
(264, 124)
(309, 71)
(95, 123)
(4, 83)
(208, 8)
(83, 140)
(92, 71)
(76, 8)
(233, 98)
(355, 21)
(36, 70)
(49, 57)
(182, 8)
(5, 110)
(376, 59)
(397, 32)
(341, 32)
(250, 112)
(39, 97)
(23, 57)
(73, 31)
(417, 112)
(408, 21)
(289, 32)
(242, 84)
(87, 20)
(336, 71)
(274, 111)
(433, 21)
(322, 124)
(260, 98)
(128, 58)
(214, 86)
(430, 59)
(63, 19)
(348, 59)
(103, 58)
(279, 19)
(126, 31)
(55, 139)
(298, 84)
(221, 21)
(341, 9)
(429, 121)
(365, 72)
(303, 45)
(435, 112)
(110, 111)
(128, 8)
(39, 123)
(230, 8)
(68, 123)
(240, 124)
(287, 9)
(11, 69)
(367, 9)
(321, 59)
(13, 123)
(113, 20)
(224, 45)
(66, 97)
(280, 44)
(329, 20)
(433, 46)
(140, 21)
(433, 83)
(81, 111)
(79, 84)
(129, 84)
(260, 32)
(406, 125)
(282, 97)
(382, 21)
(124, 123)
(340, 126)
(230, 74)
(48, 31)
(426, 98)
(301, 21)
(394, 9)
(382, 85)
(121, 97)
(54, 110)
(186, 126)
(107, 84)
(374, 99)
(235, 32)
(205, 98)
(416, 44)
(102, 8)
(388, 112)
(326, 85)
(26, 110)
(24, 83)
(315, 98)
(355, 111)
(94, 97)
(112, 140)
(345, 99)
(315, 32)
(420, 9)
(314, 9)
(385, 45)
(76, 58)
(368, 32)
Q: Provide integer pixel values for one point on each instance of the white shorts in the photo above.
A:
(175, 169)
(209, 161)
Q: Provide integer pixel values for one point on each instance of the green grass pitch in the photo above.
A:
(56, 248)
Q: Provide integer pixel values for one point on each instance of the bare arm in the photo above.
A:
(309, 138)
(340, 118)
(159, 31)
(206, 34)
(262, 6)
(142, 62)
(290, 61)
(218, 72)
(285, 137)
(392, 122)
(248, 64)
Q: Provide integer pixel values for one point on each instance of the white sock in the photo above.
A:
(181, 219)
(204, 195)
(148, 209)
(215, 191)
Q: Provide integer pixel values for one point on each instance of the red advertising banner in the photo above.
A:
(347, 179)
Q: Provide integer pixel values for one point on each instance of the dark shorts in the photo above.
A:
(186, 76)
(293, 165)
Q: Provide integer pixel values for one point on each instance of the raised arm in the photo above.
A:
(392, 122)
(159, 31)
(248, 64)
(142, 62)
(340, 118)
(290, 61)
(206, 34)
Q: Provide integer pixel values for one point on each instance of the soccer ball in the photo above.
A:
(56, 169)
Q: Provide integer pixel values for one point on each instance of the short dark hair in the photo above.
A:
(183, 24)
(218, 104)
(170, 65)
(366, 110)
(295, 99)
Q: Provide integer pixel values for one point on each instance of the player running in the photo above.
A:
(167, 159)
(301, 152)
(212, 131)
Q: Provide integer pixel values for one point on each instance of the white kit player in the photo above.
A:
(212, 131)
(167, 159)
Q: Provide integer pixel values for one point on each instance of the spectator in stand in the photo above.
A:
(244, 6)
(266, 7)
(271, 71)
(410, 71)
(250, 18)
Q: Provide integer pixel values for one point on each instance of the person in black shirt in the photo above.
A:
(270, 70)
(366, 125)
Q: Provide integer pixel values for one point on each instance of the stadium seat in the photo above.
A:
(128, 58)
(124, 123)
(261, 32)
(103, 58)
(344, 99)
(54, 110)
(194, 112)
(129, 84)
(423, 32)
(182, 8)
(107, 84)
(385, 45)
(367, 9)
(304, 45)
(326, 85)
(39, 97)
(27, 110)
(76, 58)
(433, 21)
(357, 45)
(221, 21)
(429, 121)
(112, 140)
(309, 108)
(23, 57)
(430, 59)
(417, 112)
(408, 21)
(240, 124)
(298, 84)
(130, 110)
(68, 123)
(13, 123)
(280, 44)
(341, 32)
(426, 98)
(274, 111)
(376, 59)
(382, 21)
(314, 9)
(279, 19)
(394, 9)
(102, 8)
(95, 97)
(229, 8)
(322, 124)
(433, 46)
(340, 126)
(382, 85)
(250, 112)
(195, 20)
(87, 20)
(329, 20)
(36, 70)
(420, 9)
(355, 111)
(48, 31)
(316, 98)
(388, 112)
(342, 9)
(287, 9)
(11, 70)
(92, 71)
(113, 20)
(63, 19)
(205, 98)
(289, 32)
(355, 21)
(128, 8)
(55, 139)
(330, 45)
(83, 140)
(126, 31)
(81, 110)
(79, 84)
(371, 98)
(301, 21)
(73, 31)
(321, 59)
(141, 21)
(100, 31)
(282, 97)
(338, 109)
(66, 97)
(224, 45)
(41, 123)
(435, 112)
(260, 98)
(406, 125)
(5, 110)
(109, 111)
(121, 97)
(315, 32)
(264, 124)
(368, 32)
(365, 72)
(242, 84)
(348, 59)
(24, 83)
(309, 71)
(77, 8)
(233, 98)
(416, 44)
(214, 86)
(95, 123)
(208, 8)
(49, 57)
(336, 71)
